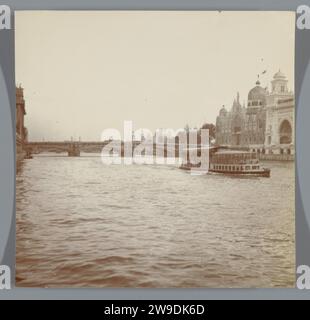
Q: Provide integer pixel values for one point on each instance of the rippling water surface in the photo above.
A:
(80, 223)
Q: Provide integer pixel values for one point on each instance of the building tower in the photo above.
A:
(280, 115)
(279, 83)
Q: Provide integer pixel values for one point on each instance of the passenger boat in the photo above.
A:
(237, 163)
(231, 162)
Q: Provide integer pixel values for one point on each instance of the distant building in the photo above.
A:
(230, 124)
(21, 131)
(265, 125)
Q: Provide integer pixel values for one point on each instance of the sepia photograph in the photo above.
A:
(155, 149)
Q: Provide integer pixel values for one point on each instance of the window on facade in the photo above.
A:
(282, 88)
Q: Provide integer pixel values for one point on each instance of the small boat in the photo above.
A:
(194, 169)
(113, 153)
(234, 162)
(74, 150)
(28, 155)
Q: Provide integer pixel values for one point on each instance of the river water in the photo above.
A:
(80, 223)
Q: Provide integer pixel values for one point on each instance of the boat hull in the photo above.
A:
(260, 173)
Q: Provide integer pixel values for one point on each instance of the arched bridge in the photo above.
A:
(74, 148)
(64, 146)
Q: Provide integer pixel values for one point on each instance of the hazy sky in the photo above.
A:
(87, 71)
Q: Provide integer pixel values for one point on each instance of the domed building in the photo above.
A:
(253, 134)
(223, 112)
(257, 96)
(265, 125)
